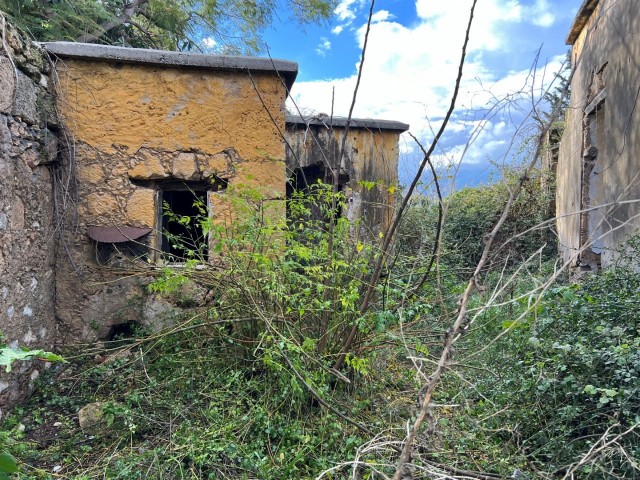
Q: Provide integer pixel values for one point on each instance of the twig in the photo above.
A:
(438, 236)
(396, 221)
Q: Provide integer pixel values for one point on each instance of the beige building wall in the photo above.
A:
(598, 173)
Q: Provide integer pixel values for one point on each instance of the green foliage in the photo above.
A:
(9, 355)
(7, 465)
(239, 388)
(165, 24)
(472, 213)
(566, 376)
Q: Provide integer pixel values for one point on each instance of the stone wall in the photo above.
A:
(598, 172)
(369, 168)
(28, 152)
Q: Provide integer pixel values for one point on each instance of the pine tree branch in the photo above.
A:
(128, 12)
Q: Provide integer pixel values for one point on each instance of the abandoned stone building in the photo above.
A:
(598, 170)
(94, 140)
(368, 171)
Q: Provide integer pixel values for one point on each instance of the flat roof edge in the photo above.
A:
(88, 51)
(368, 123)
(582, 17)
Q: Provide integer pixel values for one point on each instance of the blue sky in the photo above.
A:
(411, 63)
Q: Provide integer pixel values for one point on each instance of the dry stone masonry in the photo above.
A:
(28, 156)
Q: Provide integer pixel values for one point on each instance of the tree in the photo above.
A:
(230, 25)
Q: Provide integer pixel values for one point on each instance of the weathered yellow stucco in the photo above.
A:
(135, 126)
(107, 105)
(370, 162)
(143, 122)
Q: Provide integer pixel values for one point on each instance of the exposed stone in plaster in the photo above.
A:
(8, 82)
(102, 205)
(184, 166)
(147, 165)
(91, 174)
(141, 208)
(25, 103)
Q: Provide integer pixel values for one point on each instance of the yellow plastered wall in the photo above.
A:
(141, 122)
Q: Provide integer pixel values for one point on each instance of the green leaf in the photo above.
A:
(7, 464)
(10, 355)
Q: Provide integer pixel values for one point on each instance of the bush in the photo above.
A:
(568, 377)
(473, 212)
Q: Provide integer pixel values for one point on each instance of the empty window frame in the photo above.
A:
(183, 212)
(182, 216)
(591, 218)
(307, 181)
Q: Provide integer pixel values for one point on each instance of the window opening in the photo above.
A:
(306, 183)
(183, 212)
(591, 218)
(182, 208)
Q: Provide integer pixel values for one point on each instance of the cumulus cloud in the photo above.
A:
(323, 47)
(410, 70)
(209, 42)
(541, 13)
(381, 16)
(345, 11)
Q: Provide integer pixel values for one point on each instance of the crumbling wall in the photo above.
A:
(28, 148)
(136, 126)
(598, 172)
(369, 167)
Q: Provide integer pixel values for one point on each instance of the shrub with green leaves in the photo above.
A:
(472, 213)
(567, 378)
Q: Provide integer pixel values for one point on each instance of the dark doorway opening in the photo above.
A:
(123, 331)
(311, 188)
(183, 213)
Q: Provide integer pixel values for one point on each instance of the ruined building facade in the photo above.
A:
(87, 171)
(598, 169)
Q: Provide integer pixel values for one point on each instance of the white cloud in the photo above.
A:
(345, 11)
(381, 16)
(541, 13)
(409, 74)
(209, 42)
(323, 47)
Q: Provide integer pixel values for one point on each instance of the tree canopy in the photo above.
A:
(228, 26)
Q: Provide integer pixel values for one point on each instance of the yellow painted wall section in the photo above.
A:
(371, 157)
(136, 123)
(170, 109)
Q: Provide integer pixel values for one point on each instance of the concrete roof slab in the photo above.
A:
(366, 123)
(88, 51)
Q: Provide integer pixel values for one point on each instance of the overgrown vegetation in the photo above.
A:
(243, 385)
(543, 380)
